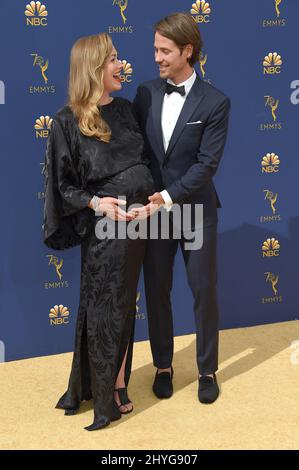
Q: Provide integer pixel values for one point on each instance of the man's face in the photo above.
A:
(168, 56)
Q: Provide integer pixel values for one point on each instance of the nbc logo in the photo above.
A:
(272, 64)
(42, 127)
(201, 11)
(270, 163)
(126, 76)
(59, 315)
(270, 248)
(36, 14)
(2, 92)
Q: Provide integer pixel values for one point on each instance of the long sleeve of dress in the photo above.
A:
(66, 213)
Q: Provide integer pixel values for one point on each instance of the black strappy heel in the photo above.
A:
(124, 399)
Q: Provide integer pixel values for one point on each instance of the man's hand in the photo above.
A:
(156, 201)
(156, 198)
(145, 211)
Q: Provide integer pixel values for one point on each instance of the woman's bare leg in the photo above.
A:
(120, 383)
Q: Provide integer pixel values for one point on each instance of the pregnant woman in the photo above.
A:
(95, 155)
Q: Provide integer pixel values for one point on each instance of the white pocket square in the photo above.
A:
(195, 122)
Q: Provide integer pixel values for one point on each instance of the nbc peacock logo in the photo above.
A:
(270, 248)
(42, 126)
(201, 11)
(126, 75)
(270, 163)
(272, 64)
(36, 14)
(59, 315)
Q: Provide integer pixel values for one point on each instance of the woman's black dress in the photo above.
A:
(78, 167)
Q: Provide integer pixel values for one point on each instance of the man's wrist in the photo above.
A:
(167, 200)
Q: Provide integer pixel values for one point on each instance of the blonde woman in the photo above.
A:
(94, 155)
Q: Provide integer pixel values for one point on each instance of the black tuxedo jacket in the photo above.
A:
(187, 168)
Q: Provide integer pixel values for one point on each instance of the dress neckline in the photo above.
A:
(107, 104)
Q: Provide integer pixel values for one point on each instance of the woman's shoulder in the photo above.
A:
(66, 120)
(125, 108)
(64, 124)
(64, 115)
(122, 102)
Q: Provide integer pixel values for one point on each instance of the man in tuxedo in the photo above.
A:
(184, 122)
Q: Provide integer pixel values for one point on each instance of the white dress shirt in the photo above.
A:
(171, 109)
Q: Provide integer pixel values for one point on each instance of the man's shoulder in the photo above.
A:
(210, 90)
(214, 93)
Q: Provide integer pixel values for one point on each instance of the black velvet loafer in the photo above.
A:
(208, 390)
(162, 386)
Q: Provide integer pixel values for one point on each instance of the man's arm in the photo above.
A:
(208, 157)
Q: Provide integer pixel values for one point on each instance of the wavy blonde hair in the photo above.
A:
(86, 87)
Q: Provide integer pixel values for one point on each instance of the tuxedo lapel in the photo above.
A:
(192, 101)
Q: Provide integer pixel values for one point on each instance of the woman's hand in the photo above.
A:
(109, 206)
(142, 213)
(156, 201)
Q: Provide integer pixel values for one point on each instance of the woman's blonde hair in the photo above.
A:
(86, 87)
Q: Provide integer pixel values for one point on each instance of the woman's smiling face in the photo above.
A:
(112, 69)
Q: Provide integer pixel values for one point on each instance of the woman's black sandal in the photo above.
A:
(124, 399)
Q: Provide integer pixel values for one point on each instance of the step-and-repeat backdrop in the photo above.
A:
(251, 54)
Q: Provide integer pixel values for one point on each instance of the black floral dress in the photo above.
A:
(78, 167)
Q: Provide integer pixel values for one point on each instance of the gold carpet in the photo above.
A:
(258, 407)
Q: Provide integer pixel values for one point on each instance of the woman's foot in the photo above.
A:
(122, 400)
(103, 422)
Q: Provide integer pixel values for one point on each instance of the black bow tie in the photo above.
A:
(171, 88)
